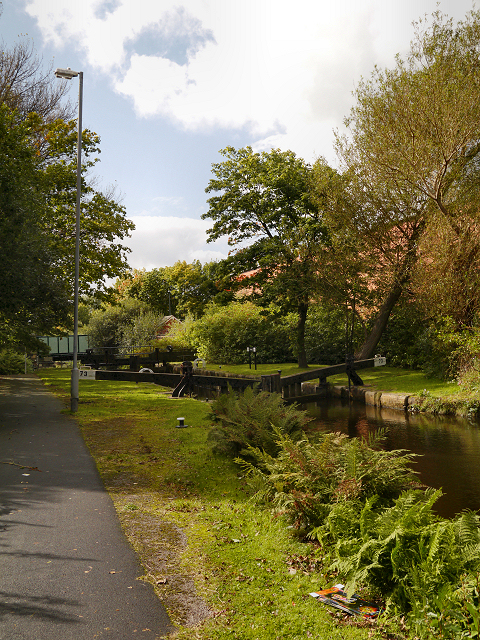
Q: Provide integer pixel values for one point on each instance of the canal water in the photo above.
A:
(449, 447)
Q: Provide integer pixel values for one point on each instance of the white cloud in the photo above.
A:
(160, 241)
(284, 69)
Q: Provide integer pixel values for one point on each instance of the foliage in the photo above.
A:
(11, 362)
(348, 277)
(181, 290)
(223, 334)
(374, 528)
(26, 88)
(464, 359)
(406, 340)
(325, 339)
(32, 298)
(405, 551)
(179, 336)
(103, 219)
(307, 478)
(105, 325)
(412, 154)
(37, 203)
(446, 282)
(141, 330)
(252, 419)
(264, 206)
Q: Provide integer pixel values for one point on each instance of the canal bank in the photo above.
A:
(412, 403)
(447, 447)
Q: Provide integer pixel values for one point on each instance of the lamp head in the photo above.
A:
(66, 74)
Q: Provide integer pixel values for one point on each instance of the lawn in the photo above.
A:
(392, 379)
(188, 514)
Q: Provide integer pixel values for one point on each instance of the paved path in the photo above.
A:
(66, 569)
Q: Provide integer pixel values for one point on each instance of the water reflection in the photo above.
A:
(450, 447)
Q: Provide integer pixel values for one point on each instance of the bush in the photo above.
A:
(179, 336)
(223, 334)
(414, 342)
(252, 419)
(376, 530)
(406, 341)
(12, 362)
(140, 330)
(105, 325)
(307, 478)
(325, 335)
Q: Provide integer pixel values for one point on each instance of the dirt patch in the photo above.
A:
(159, 545)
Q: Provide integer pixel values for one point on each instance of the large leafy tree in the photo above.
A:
(412, 151)
(37, 200)
(103, 221)
(263, 205)
(32, 298)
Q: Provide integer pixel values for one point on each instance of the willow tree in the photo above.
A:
(413, 149)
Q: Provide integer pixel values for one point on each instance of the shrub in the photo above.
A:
(223, 334)
(252, 419)
(105, 324)
(11, 362)
(325, 335)
(307, 478)
(179, 336)
(406, 342)
(141, 330)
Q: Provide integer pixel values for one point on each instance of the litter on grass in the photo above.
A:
(337, 597)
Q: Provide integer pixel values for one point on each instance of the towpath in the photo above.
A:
(67, 571)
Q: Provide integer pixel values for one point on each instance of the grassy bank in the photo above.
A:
(392, 379)
(434, 395)
(224, 567)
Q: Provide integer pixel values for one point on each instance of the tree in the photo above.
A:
(183, 289)
(413, 148)
(192, 286)
(37, 199)
(32, 298)
(103, 221)
(265, 208)
(25, 87)
(348, 260)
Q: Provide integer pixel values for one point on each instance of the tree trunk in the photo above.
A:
(404, 273)
(368, 348)
(302, 319)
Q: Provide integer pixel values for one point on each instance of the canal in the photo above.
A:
(449, 447)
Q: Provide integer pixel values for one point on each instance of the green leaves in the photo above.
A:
(30, 294)
(103, 221)
(266, 209)
(250, 419)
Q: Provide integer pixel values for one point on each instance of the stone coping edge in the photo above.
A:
(381, 399)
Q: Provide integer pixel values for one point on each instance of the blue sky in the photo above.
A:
(168, 84)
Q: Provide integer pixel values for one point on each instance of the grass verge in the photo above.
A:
(434, 395)
(223, 566)
(393, 379)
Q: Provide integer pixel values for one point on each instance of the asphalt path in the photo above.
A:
(67, 571)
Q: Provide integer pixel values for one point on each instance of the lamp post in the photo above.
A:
(68, 74)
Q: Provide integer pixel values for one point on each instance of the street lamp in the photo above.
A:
(68, 74)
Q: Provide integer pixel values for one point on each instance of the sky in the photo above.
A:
(169, 84)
